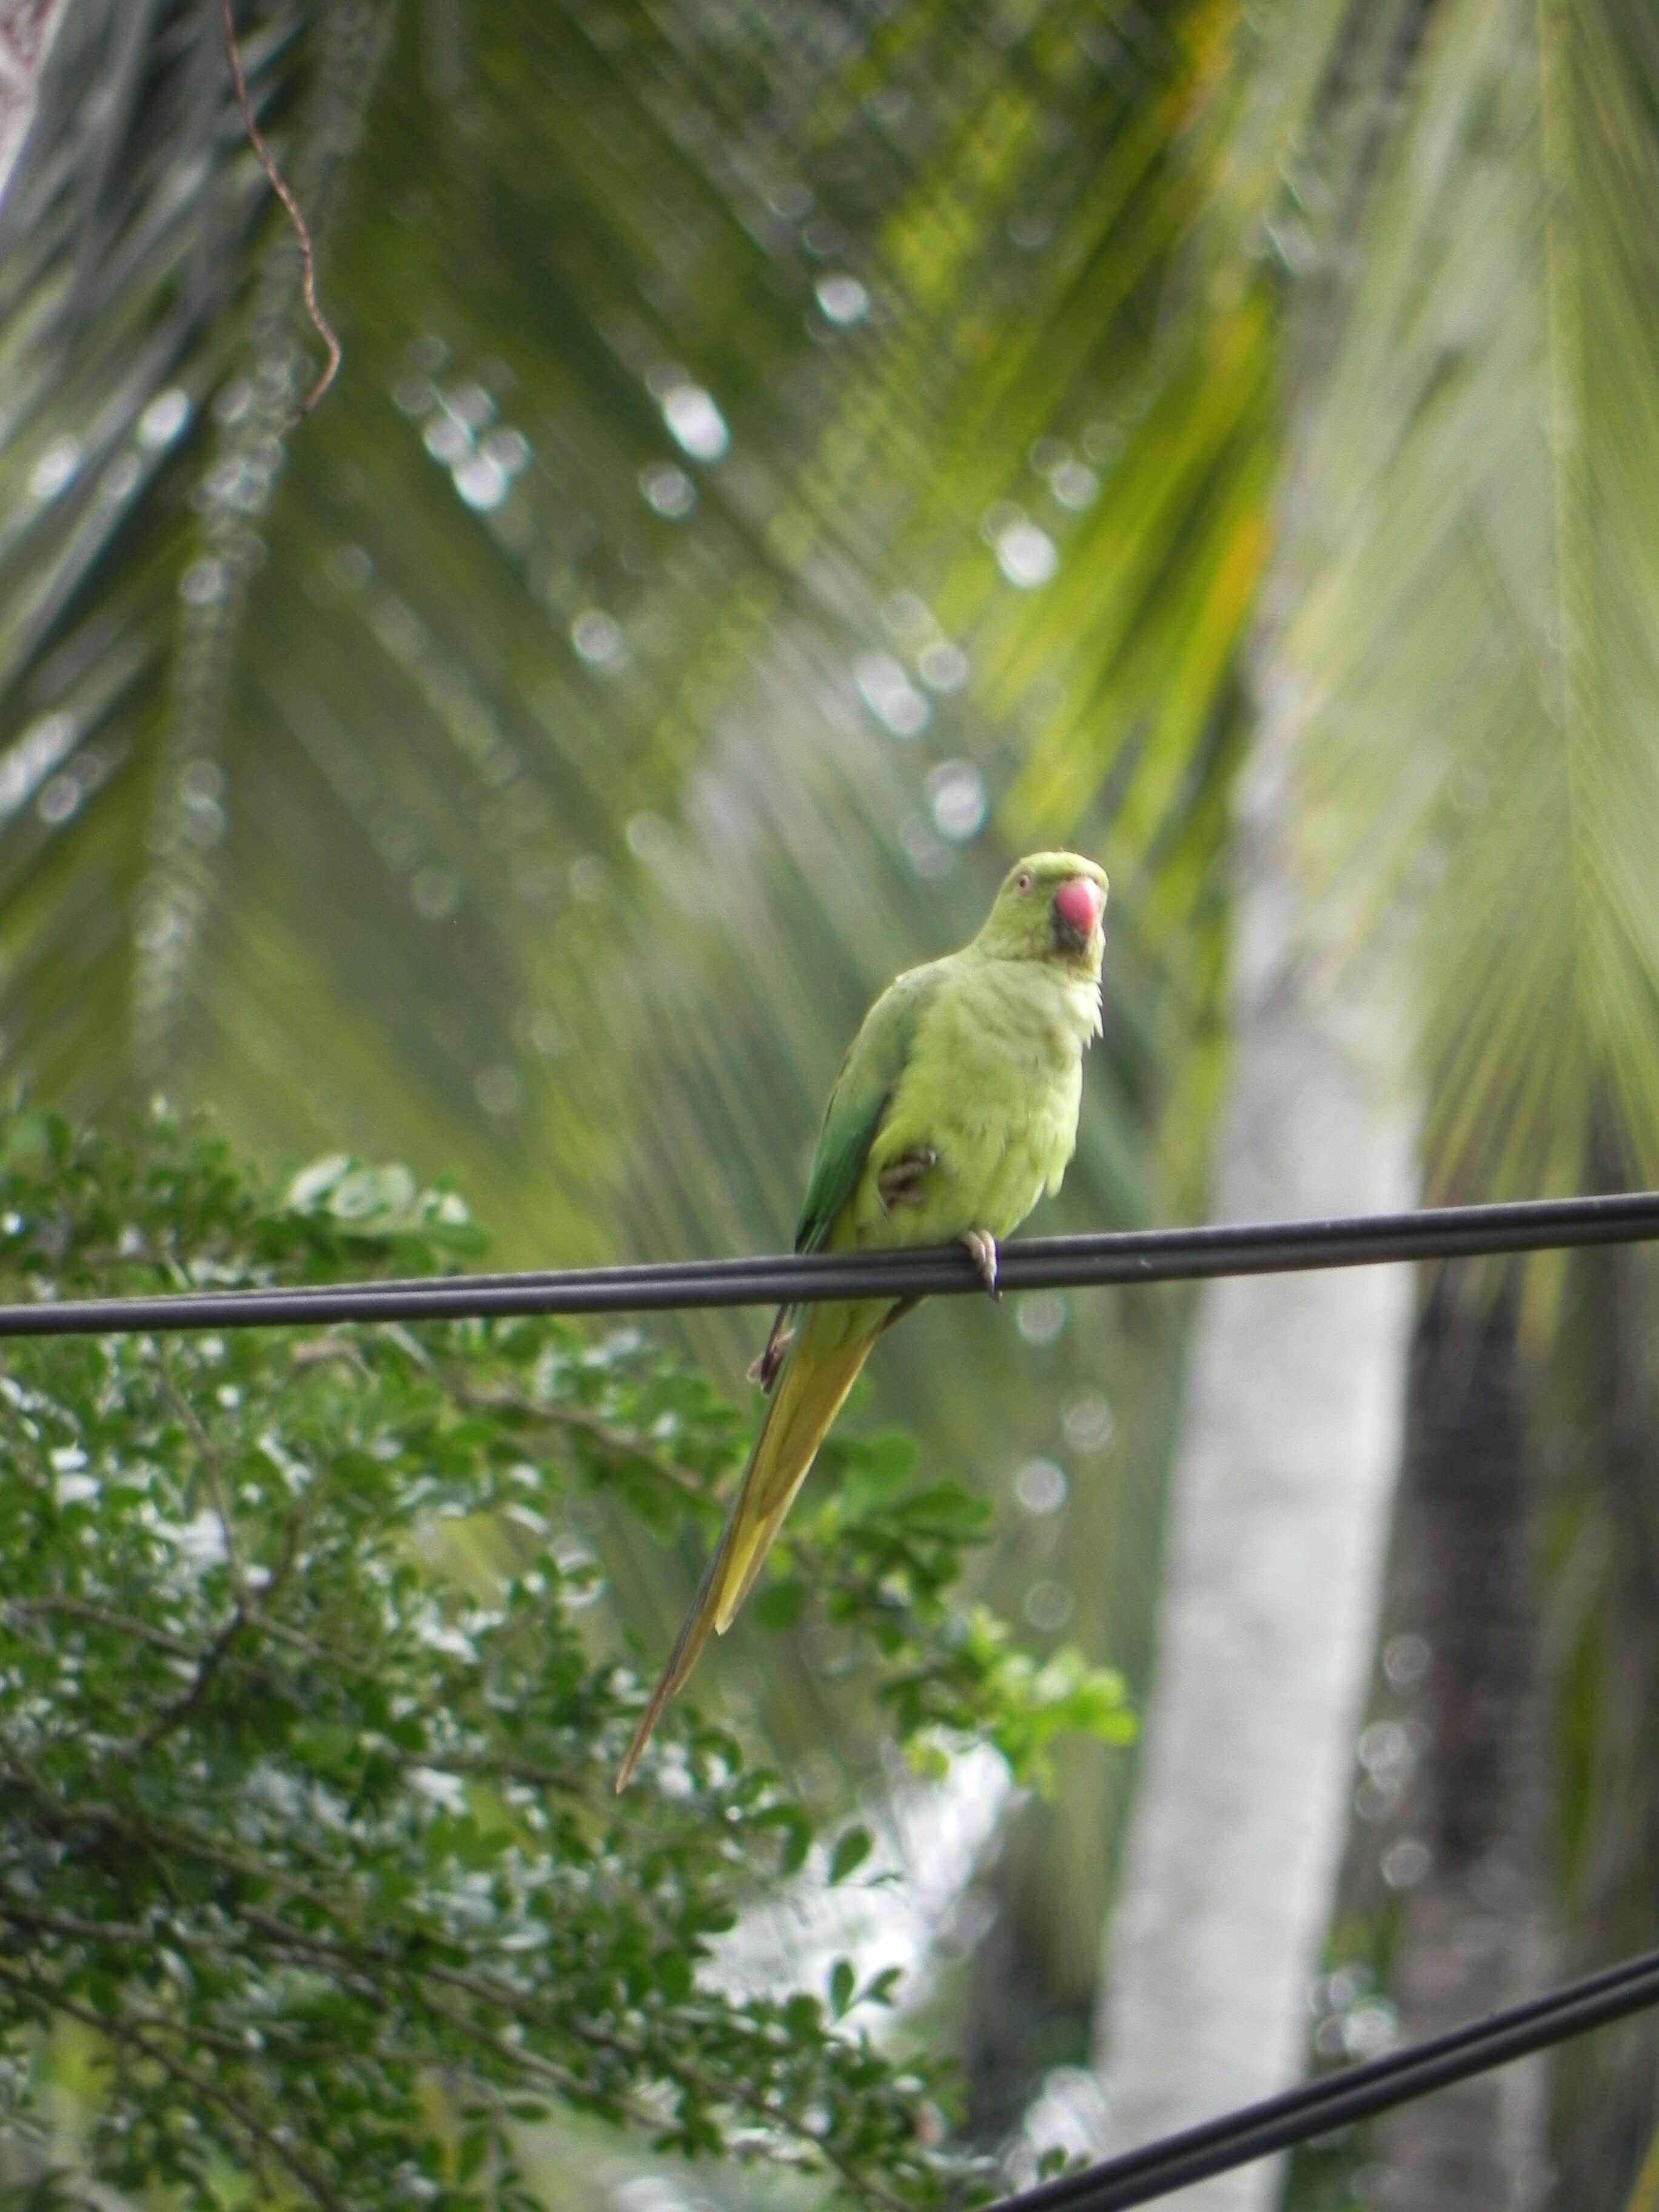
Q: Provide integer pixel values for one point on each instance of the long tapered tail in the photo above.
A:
(810, 1390)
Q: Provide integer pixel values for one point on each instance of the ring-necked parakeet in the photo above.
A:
(956, 1109)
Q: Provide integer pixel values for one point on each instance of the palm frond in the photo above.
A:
(1474, 650)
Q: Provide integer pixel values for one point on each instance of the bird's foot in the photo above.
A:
(900, 1183)
(765, 1370)
(982, 1249)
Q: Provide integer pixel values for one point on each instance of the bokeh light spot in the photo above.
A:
(1405, 1862)
(498, 1089)
(232, 403)
(889, 694)
(60, 798)
(598, 638)
(1406, 1660)
(942, 666)
(1371, 2026)
(1027, 555)
(509, 449)
(957, 793)
(696, 423)
(164, 419)
(649, 838)
(202, 583)
(668, 490)
(843, 299)
(1047, 1606)
(909, 618)
(1075, 485)
(24, 766)
(1088, 1422)
(472, 405)
(1041, 1486)
(350, 568)
(482, 483)
(56, 470)
(1039, 1316)
(446, 439)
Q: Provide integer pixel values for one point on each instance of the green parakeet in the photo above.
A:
(955, 1110)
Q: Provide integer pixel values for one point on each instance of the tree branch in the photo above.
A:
(623, 1444)
(122, 2028)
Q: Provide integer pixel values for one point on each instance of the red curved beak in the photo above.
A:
(1078, 906)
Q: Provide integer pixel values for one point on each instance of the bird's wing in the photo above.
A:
(869, 1075)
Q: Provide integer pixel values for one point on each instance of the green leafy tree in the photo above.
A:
(310, 1703)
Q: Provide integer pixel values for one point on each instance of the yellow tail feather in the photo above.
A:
(810, 1390)
(784, 1451)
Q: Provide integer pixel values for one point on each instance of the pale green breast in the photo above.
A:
(992, 1085)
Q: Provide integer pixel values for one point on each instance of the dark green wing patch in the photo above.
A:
(864, 1089)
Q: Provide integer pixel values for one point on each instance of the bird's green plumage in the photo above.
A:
(955, 1110)
(874, 1067)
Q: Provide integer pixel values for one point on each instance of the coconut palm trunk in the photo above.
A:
(1474, 1929)
(1278, 1517)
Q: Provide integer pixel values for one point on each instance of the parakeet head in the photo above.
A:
(1051, 907)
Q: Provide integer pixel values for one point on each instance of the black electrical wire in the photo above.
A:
(1138, 1255)
(1238, 2138)
(1033, 1263)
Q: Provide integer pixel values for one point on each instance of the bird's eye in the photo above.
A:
(1022, 880)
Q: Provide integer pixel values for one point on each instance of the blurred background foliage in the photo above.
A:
(788, 460)
(779, 460)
